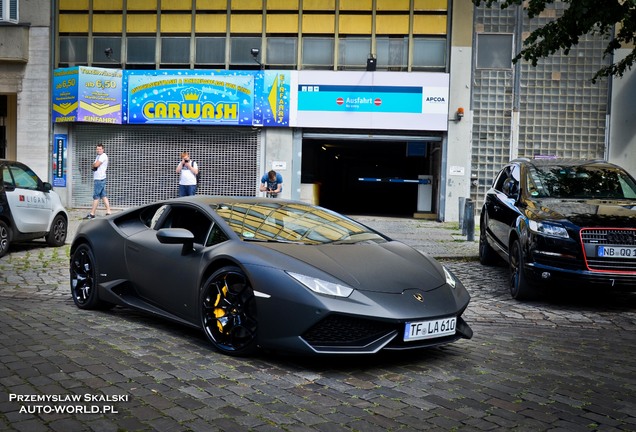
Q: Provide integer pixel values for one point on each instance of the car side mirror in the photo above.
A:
(177, 236)
(47, 186)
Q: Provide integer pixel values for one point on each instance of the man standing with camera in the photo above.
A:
(187, 170)
(99, 181)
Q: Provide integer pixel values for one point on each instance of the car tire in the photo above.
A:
(487, 255)
(84, 279)
(5, 238)
(520, 287)
(59, 229)
(228, 312)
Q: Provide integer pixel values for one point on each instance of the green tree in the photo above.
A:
(613, 19)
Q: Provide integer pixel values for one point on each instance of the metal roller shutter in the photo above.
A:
(142, 161)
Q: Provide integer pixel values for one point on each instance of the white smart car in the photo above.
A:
(29, 208)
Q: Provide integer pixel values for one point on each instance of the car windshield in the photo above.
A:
(580, 182)
(292, 222)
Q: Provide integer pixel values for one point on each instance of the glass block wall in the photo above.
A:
(561, 113)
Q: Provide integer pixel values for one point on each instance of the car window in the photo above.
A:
(298, 223)
(24, 178)
(501, 178)
(190, 218)
(6, 176)
(580, 182)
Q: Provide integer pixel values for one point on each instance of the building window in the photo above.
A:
(210, 50)
(140, 50)
(73, 50)
(494, 51)
(429, 53)
(106, 50)
(9, 11)
(318, 53)
(392, 53)
(353, 52)
(175, 50)
(241, 50)
(281, 51)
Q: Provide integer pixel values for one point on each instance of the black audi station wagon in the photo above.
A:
(561, 223)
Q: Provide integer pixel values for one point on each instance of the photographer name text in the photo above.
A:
(67, 404)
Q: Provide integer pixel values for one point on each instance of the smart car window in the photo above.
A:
(25, 179)
(6, 177)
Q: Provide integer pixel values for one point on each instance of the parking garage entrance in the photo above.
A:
(374, 175)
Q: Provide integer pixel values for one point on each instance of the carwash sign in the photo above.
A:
(190, 97)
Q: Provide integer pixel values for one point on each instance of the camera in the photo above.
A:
(186, 160)
(94, 168)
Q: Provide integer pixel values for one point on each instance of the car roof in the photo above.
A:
(219, 199)
(563, 162)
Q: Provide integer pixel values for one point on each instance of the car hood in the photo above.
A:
(380, 267)
(593, 212)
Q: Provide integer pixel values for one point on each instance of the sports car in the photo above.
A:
(267, 274)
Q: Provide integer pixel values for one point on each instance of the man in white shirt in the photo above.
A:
(99, 168)
(187, 170)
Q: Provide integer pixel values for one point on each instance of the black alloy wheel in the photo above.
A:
(57, 234)
(520, 287)
(84, 279)
(228, 312)
(5, 238)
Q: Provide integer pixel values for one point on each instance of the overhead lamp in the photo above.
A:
(255, 52)
(371, 63)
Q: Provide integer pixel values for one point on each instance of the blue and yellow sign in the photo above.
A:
(190, 97)
(87, 94)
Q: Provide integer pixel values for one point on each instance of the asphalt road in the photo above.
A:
(566, 362)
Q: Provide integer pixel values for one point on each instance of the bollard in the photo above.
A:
(462, 204)
(469, 219)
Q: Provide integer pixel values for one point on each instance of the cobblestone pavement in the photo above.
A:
(565, 363)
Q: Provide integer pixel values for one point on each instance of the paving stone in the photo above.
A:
(565, 362)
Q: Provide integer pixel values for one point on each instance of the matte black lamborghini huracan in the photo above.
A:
(271, 274)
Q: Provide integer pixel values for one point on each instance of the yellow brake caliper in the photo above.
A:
(218, 311)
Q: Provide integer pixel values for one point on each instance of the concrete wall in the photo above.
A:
(622, 137)
(459, 143)
(25, 79)
(34, 106)
(279, 155)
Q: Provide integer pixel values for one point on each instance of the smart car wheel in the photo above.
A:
(5, 238)
(84, 279)
(228, 312)
(487, 255)
(520, 287)
(57, 234)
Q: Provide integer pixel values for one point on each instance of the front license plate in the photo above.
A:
(429, 329)
(616, 252)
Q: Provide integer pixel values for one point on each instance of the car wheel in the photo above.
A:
(487, 255)
(228, 312)
(520, 287)
(5, 238)
(84, 280)
(57, 234)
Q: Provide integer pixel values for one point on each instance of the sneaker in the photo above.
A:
(90, 216)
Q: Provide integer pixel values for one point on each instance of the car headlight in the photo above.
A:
(549, 229)
(450, 279)
(320, 286)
